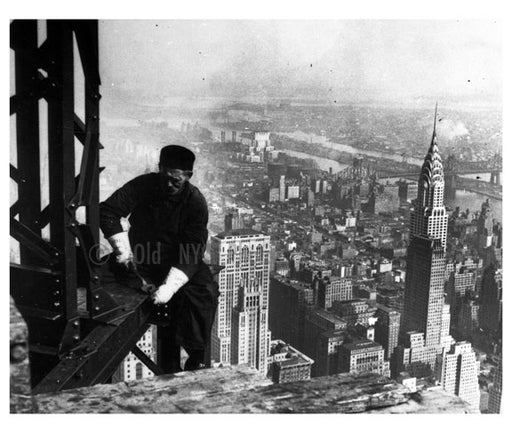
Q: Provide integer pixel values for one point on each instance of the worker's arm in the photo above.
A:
(119, 205)
(193, 239)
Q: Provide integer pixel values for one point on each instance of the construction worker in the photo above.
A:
(165, 245)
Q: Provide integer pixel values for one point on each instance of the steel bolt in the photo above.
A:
(18, 352)
(76, 337)
(96, 297)
(75, 323)
(96, 308)
(56, 304)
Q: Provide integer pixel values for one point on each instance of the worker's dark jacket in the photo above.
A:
(168, 231)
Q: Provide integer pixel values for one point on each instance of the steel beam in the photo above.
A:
(61, 154)
(24, 43)
(104, 347)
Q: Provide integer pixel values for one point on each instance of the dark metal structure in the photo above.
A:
(79, 331)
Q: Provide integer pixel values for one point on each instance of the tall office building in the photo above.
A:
(424, 330)
(250, 338)
(240, 329)
(424, 283)
(461, 281)
(495, 390)
(288, 302)
(282, 188)
(491, 309)
(457, 372)
(429, 218)
(424, 289)
(233, 221)
(387, 329)
(324, 333)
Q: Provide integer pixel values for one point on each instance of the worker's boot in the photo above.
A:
(169, 352)
(195, 360)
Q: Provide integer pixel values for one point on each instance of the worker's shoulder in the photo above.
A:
(147, 180)
(196, 196)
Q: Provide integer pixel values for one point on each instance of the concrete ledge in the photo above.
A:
(243, 390)
(21, 399)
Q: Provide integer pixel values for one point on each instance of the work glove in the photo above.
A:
(174, 281)
(122, 249)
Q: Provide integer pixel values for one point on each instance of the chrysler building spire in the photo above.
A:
(429, 218)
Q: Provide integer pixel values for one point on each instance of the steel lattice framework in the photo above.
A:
(72, 341)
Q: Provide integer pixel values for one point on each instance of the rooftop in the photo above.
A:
(243, 390)
(362, 344)
(239, 232)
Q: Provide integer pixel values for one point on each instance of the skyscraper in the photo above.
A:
(424, 284)
(491, 298)
(242, 314)
(387, 328)
(429, 218)
(495, 390)
(424, 289)
(424, 330)
(457, 372)
(250, 338)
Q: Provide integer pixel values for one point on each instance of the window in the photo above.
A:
(245, 255)
(138, 370)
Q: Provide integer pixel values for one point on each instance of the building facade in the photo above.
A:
(457, 372)
(287, 364)
(387, 329)
(363, 356)
(132, 368)
(243, 301)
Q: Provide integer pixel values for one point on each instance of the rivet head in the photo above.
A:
(96, 308)
(75, 323)
(96, 297)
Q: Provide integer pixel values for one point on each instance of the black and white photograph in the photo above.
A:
(277, 214)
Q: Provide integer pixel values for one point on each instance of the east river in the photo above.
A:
(463, 199)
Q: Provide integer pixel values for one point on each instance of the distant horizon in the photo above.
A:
(332, 60)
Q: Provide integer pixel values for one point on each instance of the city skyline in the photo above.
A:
(348, 230)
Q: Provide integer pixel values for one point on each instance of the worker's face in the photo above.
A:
(174, 179)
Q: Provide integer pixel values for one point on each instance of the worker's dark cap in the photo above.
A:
(175, 156)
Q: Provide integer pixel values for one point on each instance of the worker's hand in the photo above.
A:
(174, 281)
(164, 294)
(122, 249)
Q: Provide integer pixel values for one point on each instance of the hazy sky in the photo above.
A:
(400, 58)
